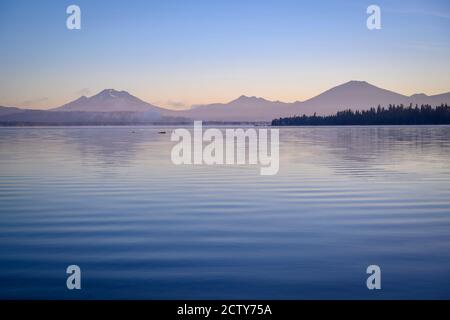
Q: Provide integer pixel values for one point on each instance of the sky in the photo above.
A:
(178, 53)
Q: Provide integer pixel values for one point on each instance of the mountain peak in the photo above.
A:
(419, 95)
(357, 83)
(112, 93)
(358, 87)
(244, 98)
(109, 100)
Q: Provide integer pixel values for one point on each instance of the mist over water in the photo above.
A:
(110, 200)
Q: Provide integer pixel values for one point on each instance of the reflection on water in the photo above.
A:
(110, 200)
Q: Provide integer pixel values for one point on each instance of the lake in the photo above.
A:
(109, 200)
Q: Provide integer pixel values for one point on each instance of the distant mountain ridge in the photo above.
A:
(110, 100)
(9, 110)
(356, 95)
(360, 95)
(243, 108)
(350, 95)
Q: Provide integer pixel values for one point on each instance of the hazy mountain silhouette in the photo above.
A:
(8, 110)
(433, 100)
(241, 109)
(360, 95)
(350, 95)
(110, 100)
(356, 95)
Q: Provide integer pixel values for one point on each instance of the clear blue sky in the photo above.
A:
(177, 53)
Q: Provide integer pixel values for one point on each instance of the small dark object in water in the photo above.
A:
(162, 132)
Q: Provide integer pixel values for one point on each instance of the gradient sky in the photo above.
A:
(176, 53)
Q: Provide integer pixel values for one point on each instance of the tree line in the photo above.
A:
(393, 115)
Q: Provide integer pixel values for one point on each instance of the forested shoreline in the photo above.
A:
(392, 115)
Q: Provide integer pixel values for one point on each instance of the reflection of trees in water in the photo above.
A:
(367, 149)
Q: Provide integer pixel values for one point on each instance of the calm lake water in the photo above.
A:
(110, 200)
